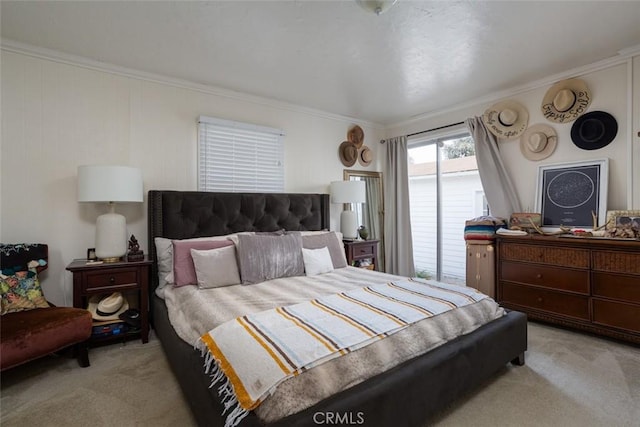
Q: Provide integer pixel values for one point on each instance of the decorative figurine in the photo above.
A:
(363, 232)
(134, 253)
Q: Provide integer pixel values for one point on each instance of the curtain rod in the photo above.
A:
(382, 141)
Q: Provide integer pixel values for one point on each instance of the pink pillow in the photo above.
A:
(184, 272)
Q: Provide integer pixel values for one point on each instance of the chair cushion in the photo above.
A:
(28, 335)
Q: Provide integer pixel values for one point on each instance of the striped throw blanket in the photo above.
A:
(250, 355)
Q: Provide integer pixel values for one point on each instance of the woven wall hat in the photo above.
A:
(566, 100)
(366, 156)
(538, 142)
(109, 307)
(594, 130)
(356, 135)
(506, 119)
(348, 153)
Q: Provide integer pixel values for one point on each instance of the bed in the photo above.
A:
(408, 394)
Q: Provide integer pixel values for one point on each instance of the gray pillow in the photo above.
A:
(267, 256)
(331, 241)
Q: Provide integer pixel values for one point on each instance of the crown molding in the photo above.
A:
(624, 56)
(13, 46)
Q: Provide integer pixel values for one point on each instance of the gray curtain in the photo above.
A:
(397, 221)
(372, 214)
(498, 188)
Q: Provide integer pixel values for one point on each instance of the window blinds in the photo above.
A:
(239, 157)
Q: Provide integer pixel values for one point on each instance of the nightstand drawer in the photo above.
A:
(105, 279)
(362, 251)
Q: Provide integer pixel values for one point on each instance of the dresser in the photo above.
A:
(360, 250)
(585, 283)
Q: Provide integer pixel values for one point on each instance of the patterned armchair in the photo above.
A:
(32, 327)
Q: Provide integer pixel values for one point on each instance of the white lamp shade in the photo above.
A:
(97, 183)
(348, 192)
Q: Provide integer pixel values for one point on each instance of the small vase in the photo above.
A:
(363, 232)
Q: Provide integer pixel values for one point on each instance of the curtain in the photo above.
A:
(397, 222)
(498, 188)
(372, 215)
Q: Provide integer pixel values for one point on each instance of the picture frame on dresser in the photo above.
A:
(618, 218)
(570, 194)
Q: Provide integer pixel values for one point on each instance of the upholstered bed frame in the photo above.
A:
(404, 396)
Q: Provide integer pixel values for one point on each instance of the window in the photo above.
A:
(444, 191)
(237, 157)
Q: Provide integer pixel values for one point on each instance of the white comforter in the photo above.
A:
(193, 312)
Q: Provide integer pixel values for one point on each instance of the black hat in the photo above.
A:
(594, 130)
(132, 317)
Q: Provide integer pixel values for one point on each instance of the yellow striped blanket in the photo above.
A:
(250, 355)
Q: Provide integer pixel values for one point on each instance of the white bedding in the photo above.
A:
(193, 312)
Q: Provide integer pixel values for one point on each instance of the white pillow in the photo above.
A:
(317, 261)
(216, 267)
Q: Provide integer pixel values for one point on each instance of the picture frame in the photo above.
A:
(619, 217)
(91, 254)
(569, 194)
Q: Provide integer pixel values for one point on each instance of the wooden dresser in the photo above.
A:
(589, 284)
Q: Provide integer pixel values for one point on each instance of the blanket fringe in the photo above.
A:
(225, 390)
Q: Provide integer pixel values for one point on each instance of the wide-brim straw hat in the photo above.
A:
(348, 153)
(538, 142)
(506, 119)
(356, 135)
(366, 156)
(109, 307)
(566, 100)
(594, 130)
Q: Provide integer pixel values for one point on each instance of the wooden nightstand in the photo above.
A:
(129, 278)
(358, 250)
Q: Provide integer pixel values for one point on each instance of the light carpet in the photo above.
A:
(570, 379)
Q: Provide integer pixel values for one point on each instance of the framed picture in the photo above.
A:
(91, 254)
(622, 219)
(569, 194)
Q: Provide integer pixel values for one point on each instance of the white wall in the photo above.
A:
(611, 91)
(59, 115)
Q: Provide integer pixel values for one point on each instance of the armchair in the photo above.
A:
(31, 327)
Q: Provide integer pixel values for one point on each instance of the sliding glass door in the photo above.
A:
(444, 191)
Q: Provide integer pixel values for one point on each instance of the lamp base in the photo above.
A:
(349, 225)
(111, 237)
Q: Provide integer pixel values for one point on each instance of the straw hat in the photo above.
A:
(348, 153)
(109, 307)
(538, 142)
(594, 130)
(356, 135)
(366, 156)
(506, 119)
(566, 100)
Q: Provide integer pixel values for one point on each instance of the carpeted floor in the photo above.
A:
(570, 379)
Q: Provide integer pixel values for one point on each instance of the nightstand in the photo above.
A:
(359, 250)
(129, 278)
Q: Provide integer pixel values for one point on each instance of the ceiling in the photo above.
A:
(416, 58)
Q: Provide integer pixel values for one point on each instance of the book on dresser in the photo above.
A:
(584, 283)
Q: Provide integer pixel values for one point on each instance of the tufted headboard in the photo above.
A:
(188, 214)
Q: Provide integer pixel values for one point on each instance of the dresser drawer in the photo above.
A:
(616, 286)
(617, 314)
(550, 301)
(549, 255)
(549, 277)
(617, 262)
(106, 278)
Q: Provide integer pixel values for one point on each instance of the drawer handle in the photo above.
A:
(539, 299)
(112, 279)
(538, 276)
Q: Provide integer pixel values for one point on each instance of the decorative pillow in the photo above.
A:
(21, 291)
(329, 240)
(317, 261)
(216, 267)
(184, 272)
(265, 257)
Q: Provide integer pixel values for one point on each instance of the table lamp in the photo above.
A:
(348, 192)
(111, 184)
